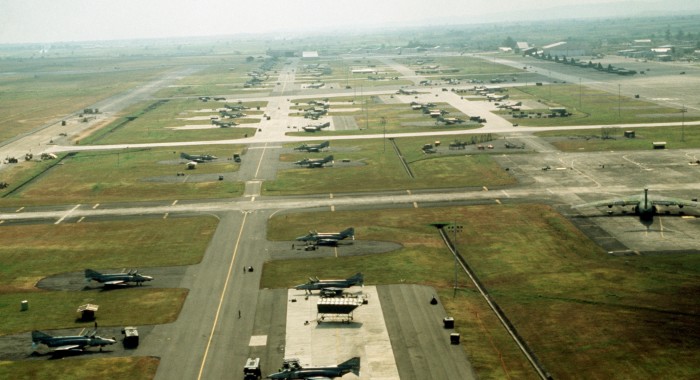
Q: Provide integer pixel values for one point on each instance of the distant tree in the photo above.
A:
(509, 42)
(667, 34)
(249, 58)
(599, 67)
(610, 68)
(680, 35)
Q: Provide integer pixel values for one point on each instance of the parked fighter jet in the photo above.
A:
(331, 285)
(313, 147)
(236, 107)
(223, 124)
(315, 162)
(316, 85)
(450, 120)
(291, 369)
(316, 128)
(401, 91)
(643, 205)
(198, 157)
(113, 279)
(70, 342)
(234, 115)
(327, 238)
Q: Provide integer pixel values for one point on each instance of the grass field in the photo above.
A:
(37, 91)
(588, 107)
(220, 77)
(380, 169)
(157, 120)
(591, 141)
(32, 252)
(123, 175)
(132, 368)
(585, 314)
(373, 116)
(341, 75)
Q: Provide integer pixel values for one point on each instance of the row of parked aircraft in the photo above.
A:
(86, 339)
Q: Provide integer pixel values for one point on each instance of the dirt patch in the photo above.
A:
(90, 130)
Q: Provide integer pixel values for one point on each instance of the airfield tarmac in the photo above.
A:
(209, 341)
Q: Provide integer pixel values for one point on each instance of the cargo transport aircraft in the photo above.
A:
(643, 205)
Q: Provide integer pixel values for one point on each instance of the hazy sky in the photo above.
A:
(85, 20)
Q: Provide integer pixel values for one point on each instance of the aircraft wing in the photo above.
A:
(611, 202)
(116, 282)
(673, 202)
(67, 347)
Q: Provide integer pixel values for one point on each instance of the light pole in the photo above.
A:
(683, 111)
(619, 100)
(454, 227)
(579, 93)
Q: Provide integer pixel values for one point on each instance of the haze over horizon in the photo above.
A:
(50, 21)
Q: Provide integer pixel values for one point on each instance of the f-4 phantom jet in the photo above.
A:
(314, 162)
(71, 342)
(313, 147)
(291, 369)
(327, 238)
(331, 285)
(115, 279)
(316, 128)
(198, 157)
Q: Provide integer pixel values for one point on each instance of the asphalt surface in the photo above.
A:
(210, 340)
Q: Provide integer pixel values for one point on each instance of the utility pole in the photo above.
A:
(454, 227)
(619, 101)
(579, 93)
(683, 111)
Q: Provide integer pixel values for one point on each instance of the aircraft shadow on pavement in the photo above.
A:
(337, 324)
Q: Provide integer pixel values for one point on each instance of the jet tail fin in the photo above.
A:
(38, 336)
(348, 232)
(352, 364)
(89, 273)
(358, 278)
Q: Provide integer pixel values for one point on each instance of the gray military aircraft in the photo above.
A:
(236, 107)
(198, 157)
(223, 124)
(331, 285)
(293, 370)
(401, 91)
(313, 147)
(327, 238)
(315, 85)
(316, 128)
(644, 206)
(71, 342)
(315, 162)
(114, 279)
(230, 115)
(450, 120)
